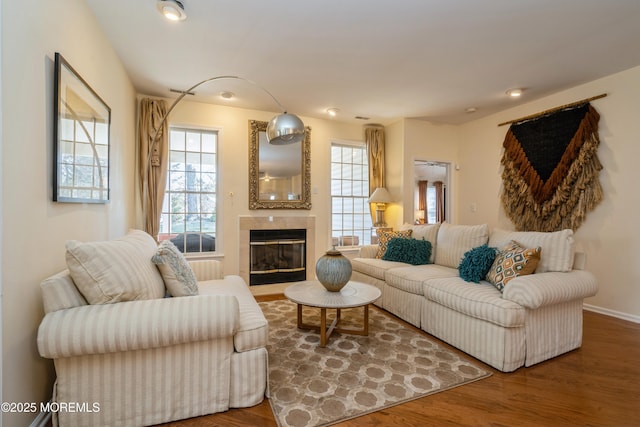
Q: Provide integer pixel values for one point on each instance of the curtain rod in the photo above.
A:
(562, 107)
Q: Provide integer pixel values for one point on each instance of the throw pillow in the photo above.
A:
(476, 263)
(175, 269)
(385, 236)
(424, 231)
(410, 251)
(115, 270)
(513, 261)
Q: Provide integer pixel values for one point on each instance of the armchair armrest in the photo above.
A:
(137, 325)
(536, 290)
(207, 269)
(368, 251)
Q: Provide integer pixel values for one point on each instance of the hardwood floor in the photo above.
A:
(596, 385)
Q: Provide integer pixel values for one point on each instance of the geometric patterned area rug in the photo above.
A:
(353, 375)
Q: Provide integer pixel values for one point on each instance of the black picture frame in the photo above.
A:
(81, 135)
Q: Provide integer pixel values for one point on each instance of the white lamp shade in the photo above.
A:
(380, 195)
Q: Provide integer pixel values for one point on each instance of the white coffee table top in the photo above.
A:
(311, 293)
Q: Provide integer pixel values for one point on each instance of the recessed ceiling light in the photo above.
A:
(515, 93)
(227, 95)
(173, 10)
(333, 111)
(471, 110)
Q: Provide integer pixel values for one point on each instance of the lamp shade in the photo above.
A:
(380, 195)
(285, 129)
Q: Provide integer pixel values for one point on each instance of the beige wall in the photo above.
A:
(34, 229)
(233, 200)
(428, 141)
(609, 235)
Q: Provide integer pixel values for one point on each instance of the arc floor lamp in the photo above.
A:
(283, 129)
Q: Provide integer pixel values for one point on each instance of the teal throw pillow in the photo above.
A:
(476, 263)
(410, 251)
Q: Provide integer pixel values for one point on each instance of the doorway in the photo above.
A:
(432, 193)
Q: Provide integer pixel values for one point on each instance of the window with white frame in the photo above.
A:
(190, 202)
(350, 215)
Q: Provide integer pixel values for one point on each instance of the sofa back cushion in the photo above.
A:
(115, 270)
(557, 247)
(427, 232)
(455, 240)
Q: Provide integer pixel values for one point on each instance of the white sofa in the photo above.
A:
(151, 361)
(535, 318)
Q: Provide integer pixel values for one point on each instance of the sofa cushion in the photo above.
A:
(558, 248)
(411, 278)
(455, 240)
(513, 260)
(374, 267)
(424, 231)
(115, 270)
(385, 236)
(253, 331)
(476, 263)
(481, 301)
(175, 270)
(411, 251)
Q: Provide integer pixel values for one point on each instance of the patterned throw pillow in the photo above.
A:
(476, 263)
(410, 251)
(513, 261)
(175, 269)
(385, 236)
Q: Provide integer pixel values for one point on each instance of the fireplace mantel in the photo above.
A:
(248, 223)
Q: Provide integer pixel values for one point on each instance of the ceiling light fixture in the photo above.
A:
(227, 95)
(471, 110)
(173, 10)
(333, 111)
(515, 93)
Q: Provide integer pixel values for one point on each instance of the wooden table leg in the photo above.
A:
(323, 327)
(366, 320)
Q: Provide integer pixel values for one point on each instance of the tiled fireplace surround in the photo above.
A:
(248, 223)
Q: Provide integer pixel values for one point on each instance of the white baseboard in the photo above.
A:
(612, 313)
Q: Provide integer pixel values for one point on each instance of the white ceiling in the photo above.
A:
(382, 59)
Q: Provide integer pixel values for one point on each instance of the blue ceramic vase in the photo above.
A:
(333, 270)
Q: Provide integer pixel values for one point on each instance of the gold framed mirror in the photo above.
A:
(279, 175)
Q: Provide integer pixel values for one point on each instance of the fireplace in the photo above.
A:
(277, 256)
(247, 223)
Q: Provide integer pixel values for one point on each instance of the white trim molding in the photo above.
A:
(607, 312)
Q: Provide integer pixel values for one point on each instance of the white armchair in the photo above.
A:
(153, 361)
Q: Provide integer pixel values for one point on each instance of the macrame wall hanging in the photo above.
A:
(551, 167)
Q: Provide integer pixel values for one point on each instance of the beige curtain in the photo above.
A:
(439, 201)
(422, 199)
(152, 168)
(374, 138)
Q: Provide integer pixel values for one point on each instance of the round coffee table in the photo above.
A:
(311, 293)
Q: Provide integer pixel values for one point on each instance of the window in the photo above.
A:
(431, 205)
(350, 215)
(190, 201)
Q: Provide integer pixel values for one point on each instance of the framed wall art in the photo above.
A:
(81, 139)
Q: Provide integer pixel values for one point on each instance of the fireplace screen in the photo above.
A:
(277, 256)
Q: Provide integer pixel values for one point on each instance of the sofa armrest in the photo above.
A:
(207, 269)
(137, 325)
(537, 290)
(368, 251)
